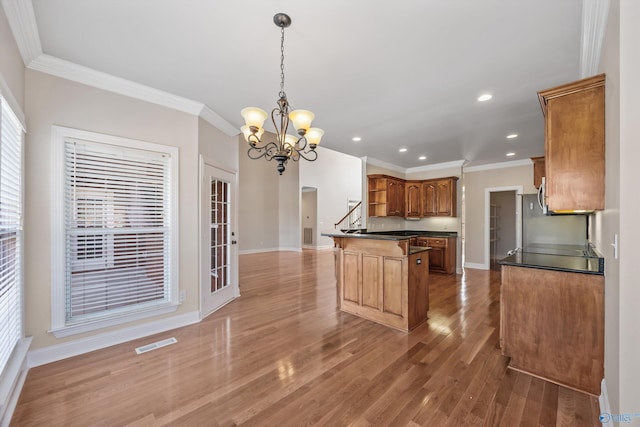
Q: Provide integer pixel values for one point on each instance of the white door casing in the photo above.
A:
(218, 249)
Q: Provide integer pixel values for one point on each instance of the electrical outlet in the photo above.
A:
(183, 296)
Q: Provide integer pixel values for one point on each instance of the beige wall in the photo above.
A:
(475, 184)
(289, 205)
(270, 204)
(259, 201)
(217, 146)
(338, 178)
(608, 221)
(53, 101)
(629, 206)
(11, 65)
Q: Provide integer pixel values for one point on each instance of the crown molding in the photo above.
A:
(375, 162)
(214, 119)
(88, 76)
(594, 24)
(501, 165)
(22, 20)
(68, 70)
(446, 165)
(438, 166)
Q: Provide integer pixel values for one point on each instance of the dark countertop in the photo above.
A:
(551, 261)
(388, 235)
(418, 249)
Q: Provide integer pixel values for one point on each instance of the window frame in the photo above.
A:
(59, 325)
(8, 368)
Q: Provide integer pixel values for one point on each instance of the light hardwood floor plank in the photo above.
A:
(283, 355)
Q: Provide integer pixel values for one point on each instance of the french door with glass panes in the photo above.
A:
(219, 283)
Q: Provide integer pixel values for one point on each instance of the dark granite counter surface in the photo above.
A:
(560, 258)
(388, 235)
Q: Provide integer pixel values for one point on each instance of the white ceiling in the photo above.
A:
(398, 74)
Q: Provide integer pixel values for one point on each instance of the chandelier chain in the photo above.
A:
(282, 94)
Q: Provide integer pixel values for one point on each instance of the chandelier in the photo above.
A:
(285, 146)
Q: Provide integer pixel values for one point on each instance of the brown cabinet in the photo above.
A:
(413, 199)
(391, 196)
(386, 196)
(574, 145)
(552, 325)
(381, 281)
(442, 258)
(439, 197)
(538, 170)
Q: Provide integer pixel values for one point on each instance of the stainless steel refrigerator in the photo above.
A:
(540, 231)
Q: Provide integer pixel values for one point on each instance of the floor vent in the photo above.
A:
(155, 345)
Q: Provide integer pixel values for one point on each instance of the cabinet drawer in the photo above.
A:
(437, 242)
(421, 241)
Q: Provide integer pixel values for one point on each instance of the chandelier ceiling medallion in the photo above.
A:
(286, 146)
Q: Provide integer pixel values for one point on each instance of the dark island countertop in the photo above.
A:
(588, 263)
(388, 235)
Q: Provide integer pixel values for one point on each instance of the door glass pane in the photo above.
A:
(220, 238)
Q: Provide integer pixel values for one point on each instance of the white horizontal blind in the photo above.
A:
(117, 230)
(10, 232)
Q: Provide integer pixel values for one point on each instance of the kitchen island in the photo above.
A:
(382, 277)
(552, 315)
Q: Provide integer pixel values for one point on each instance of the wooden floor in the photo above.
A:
(282, 355)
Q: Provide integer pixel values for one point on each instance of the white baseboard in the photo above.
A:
(290, 249)
(85, 345)
(603, 399)
(476, 266)
(262, 250)
(257, 251)
(12, 381)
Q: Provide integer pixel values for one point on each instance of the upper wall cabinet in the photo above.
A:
(439, 197)
(574, 145)
(391, 196)
(538, 171)
(386, 196)
(412, 199)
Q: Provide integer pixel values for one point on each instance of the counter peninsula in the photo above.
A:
(382, 278)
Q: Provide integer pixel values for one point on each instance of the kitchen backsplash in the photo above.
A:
(431, 224)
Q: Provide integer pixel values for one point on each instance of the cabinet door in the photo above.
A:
(574, 145)
(412, 197)
(371, 286)
(352, 276)
(538, 171)
(429, 198)
(392, 286)
(399, 201)
(443, 198)
(437, 259)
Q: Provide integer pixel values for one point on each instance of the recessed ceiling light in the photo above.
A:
(402, 150)
(422, 158)
(511, 136)
(356, 139)
(485, 97)
(511, 154)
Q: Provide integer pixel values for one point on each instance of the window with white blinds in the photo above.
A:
(117, 230)
(11, 134)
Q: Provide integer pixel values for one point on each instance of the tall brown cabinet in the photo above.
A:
(574, 145)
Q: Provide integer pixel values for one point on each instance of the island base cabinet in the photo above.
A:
(552, 325)
(383, 285)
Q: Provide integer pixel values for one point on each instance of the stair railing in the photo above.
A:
(357, 205)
